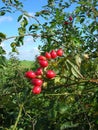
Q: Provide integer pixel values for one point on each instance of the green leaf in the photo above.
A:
(19, 18)
(53, 113)
(63, 109)
(68, 125)
(34, 27)
(37, 14)
(13, 44)
(2, 35)
(2, 13)
(2, 61)
(18, 42)
(75, 73)
(50, 2)
(81, 2)
(16, 1)
(78, 60)
(75, 69)
(45, 12)
(82, 20)
(3, 0)
(15, 50)
(2, 51)
(67, 4)
(24, 22)
(93, 29)
(21, 31)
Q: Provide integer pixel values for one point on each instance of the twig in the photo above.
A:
(33, 35)
(29, 34)
(19, 115)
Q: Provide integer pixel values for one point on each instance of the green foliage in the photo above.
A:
(27, 64)
(70, 101)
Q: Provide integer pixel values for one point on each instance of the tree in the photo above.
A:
(70, 99)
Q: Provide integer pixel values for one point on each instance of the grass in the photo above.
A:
(26, 64)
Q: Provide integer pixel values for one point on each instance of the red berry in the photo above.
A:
(70, 18)
(53, 54)
(39, 71)
(48, 55)
(41, 57)
(43, 63)
(66, 23)
(36, 90)
(59, 52)
(50, 74)
(30, 74)
(37, 82)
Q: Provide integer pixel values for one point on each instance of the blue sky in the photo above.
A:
(9, 25)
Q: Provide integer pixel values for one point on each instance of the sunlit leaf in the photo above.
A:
(75, 69)
(78, 60)
(19, 18)
(2, 13)
(2, 35)
(68, 125)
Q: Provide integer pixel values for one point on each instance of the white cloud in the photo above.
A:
(28, 54)
(6, 18)
(2, 45)
(28, 39)
(31, 13)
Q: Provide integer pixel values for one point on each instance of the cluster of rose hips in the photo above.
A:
(67, 22)
(36, 76)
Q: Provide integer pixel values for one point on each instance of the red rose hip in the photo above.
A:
(48, 55)
(59, 52)
(53, 54)
(37, 82)
(43, 63)
(50, 74)
(30, 74)
(39, 71)
(66, 23)
(41, 57)
(70, 18)
(36, 90)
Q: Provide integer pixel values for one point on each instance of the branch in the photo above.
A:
(33, 35)
(76, 83)
(29, 34)
(19, 115)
